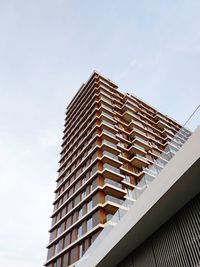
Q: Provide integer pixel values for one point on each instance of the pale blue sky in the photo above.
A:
(47, 50)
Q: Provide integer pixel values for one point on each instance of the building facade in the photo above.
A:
(110, 139)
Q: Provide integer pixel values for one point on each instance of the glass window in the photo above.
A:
(89, 224)
(84, 179)
(89, 149)
(111, 155)
(89, 206)
(59, 231)
(112, 168)
(56, 248)
(84, 167)
(80, 250)
(80, 214)
(91, 187)
(83, 194)
(80, 231)
(127, 178)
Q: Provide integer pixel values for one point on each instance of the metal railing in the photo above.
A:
(112, 182)
(111, 155)
(110, 167)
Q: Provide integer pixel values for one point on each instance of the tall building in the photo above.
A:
(110, 141)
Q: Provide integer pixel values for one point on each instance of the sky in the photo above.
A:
(48, 48)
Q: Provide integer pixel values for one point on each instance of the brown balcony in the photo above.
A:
(158, 116)
(112, 204)
(111, 188)
(137, 149)
(129, 114)
(136, 125)
(112, 173)
(111, 159)
(162, 125)
(124, 158)
(105, 100)
(136, 132)
(108, 135)
(111, 207)
(127, 184)
(131, 102)
(107, 125)
(110, 147)
(168, 132)
(122, 147)
(129, 172)
(139, 161)
(142, 142)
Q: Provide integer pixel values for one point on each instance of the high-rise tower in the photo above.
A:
(110, 139)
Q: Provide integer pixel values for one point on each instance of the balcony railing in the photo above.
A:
(141, 139)
(106, 107)
(105, 100)
(111, 155)
(136, 130)
(111, 182)
(108, 123)
(139, 156)
(109, 143)
(112, 168)
(107, 115)
(127, 179)
(151, 173)
(108, 132)
(108, 217)
(114, 200)
(139, 147)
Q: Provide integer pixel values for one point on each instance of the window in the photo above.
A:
(91, 187)
(89, 149)
(59, 231)
(89, 206)
(90, 172)
(83, 194)
(82, 147)
(89, 160)
(80, 250)
(84, 179)
(59, 262)
(80, 231)
(127, 178)
(80, 214)
(89, 224)
(83, 166)
(81, 158)
(56, 248)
